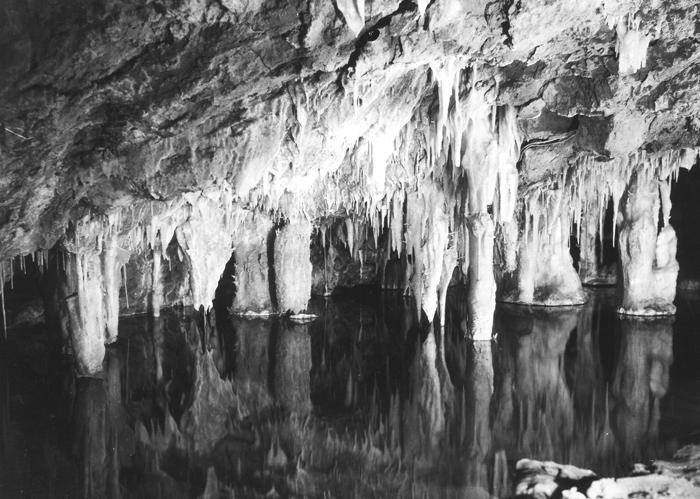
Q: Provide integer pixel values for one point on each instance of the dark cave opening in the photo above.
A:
(685, 213)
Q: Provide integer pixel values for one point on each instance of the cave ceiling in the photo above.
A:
(127, 106)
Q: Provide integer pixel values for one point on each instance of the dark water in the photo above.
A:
(362, 402)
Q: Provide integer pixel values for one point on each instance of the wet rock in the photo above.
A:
(544, 479)
(677, 478)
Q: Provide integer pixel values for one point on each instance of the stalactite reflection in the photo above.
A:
(366, 386)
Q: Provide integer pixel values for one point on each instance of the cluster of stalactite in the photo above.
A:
(436, 192)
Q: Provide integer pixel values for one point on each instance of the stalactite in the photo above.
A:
(396, 224)
(545, 273)
(632, 46)
(481, 159)
(505, 202)
(447, 75)
(206, 238)
(427, 231)
(589, 260)
(354, 13)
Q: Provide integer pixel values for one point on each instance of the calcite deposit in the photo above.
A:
(488, 136)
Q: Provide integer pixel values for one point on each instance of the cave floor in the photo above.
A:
(364, 401)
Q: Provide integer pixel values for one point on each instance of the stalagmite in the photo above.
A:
(81, 309)
(545, 274)
(293, 269)
(251, 272)
(648, 266)
(492, 145)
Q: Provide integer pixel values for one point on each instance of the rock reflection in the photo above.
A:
(479, 392)
(427, 405)
(640, 381)
(536, 401)
(102, 441)
(292, 368)
(252, 352)
(366, 395)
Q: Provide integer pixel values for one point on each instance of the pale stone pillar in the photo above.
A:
(293, 269)
(251, 274)
(81, 309)
(481, 300)
(647, 258)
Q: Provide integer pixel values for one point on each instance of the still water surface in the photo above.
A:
(362, 402)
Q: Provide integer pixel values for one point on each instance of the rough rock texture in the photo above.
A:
(676, 478)
(293, 266)
(482, 285)
(251, 277)
(123, 102)
(146, 120)
(647, 256)
(545, 273)
(343, 255)
(80, 309)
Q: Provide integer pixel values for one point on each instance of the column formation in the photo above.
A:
(647, 256)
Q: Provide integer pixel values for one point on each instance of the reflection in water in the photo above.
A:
(365, 400)
(292, 367)
(479, 391)
(640, 381)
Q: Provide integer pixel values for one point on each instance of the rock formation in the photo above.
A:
(475, 135)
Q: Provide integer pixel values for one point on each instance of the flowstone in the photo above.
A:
(647, 257)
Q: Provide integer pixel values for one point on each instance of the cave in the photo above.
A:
(349, 248)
